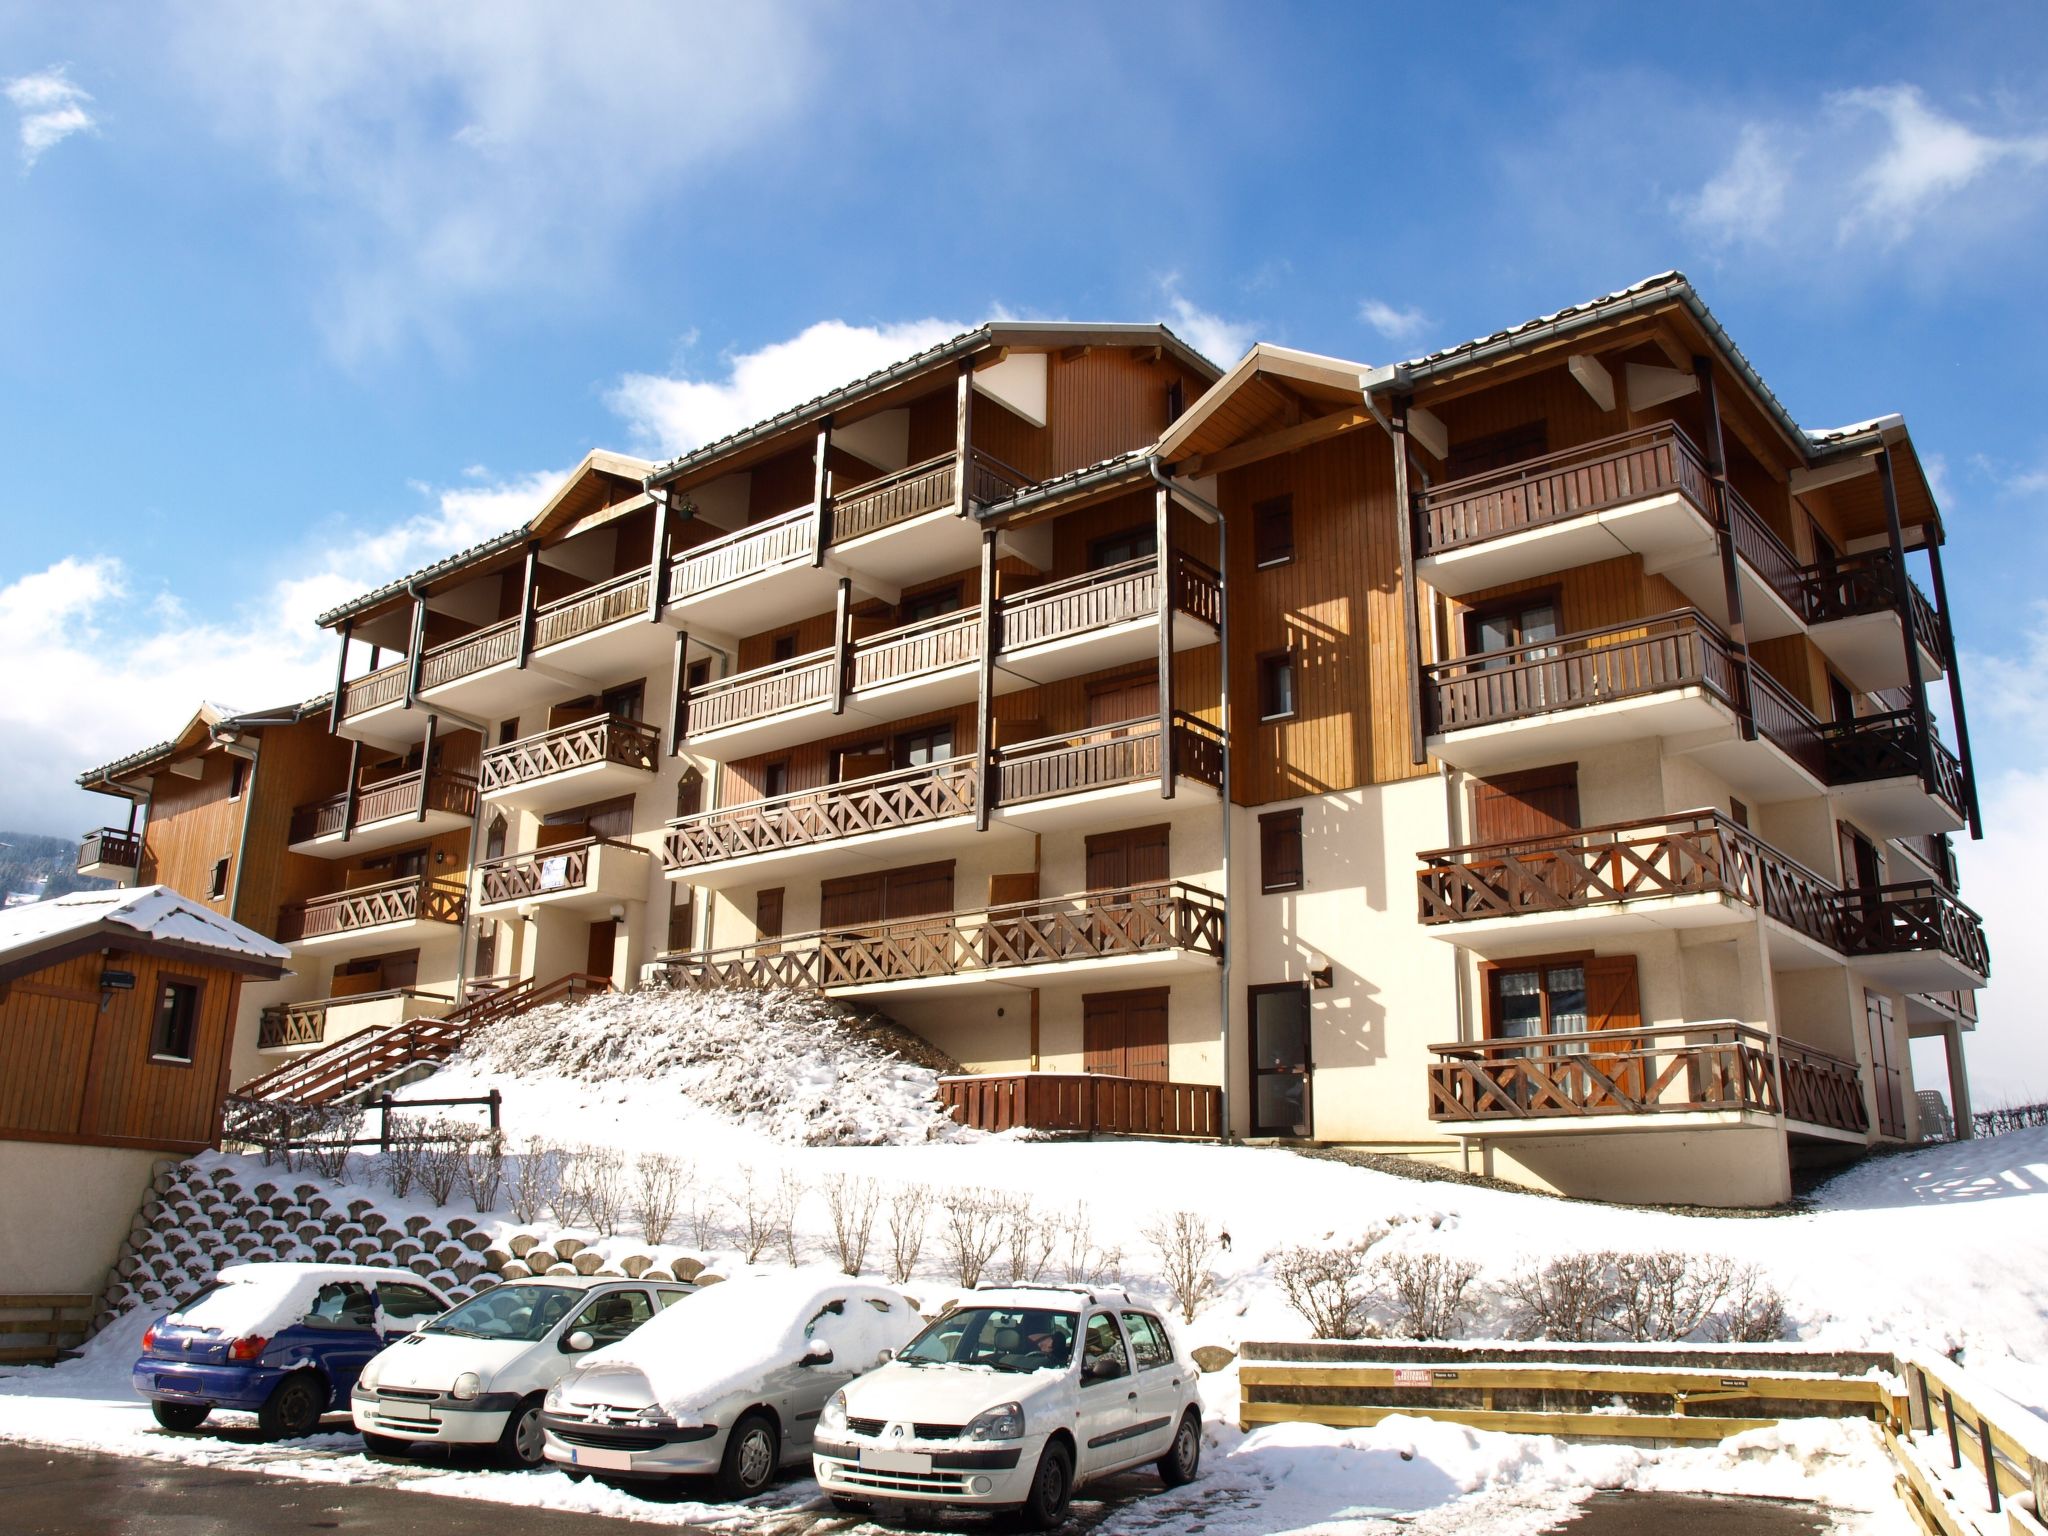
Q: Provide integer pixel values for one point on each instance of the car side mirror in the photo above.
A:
(884, 1356)
(580, 1342)
(817, 1352)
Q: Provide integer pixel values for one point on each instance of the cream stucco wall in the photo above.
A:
(1730, 1165)
(64, 1212)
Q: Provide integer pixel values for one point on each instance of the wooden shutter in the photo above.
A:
(768, 913)
(1614, 1005)
(1102, 1034)
(1145, 1035)
(862, 765)
(1012, 890)
(1136, 856)
(1280, 851)
(1539, 804)
(918, 891)
(852, 901)
(1133, 698)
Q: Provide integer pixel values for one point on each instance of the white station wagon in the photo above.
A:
(477, 1375)
(1013, 1399)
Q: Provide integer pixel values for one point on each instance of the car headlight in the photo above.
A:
(372, 1374)
(1004, 1422)
(467, 1386)
(558, 1394)
(834, 1416)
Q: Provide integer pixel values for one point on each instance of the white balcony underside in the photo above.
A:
(909, 552)
(1119, 805)
(1765, 614)
(1927, 1015)
(1758, 770)
(508, 689)
(388, 725)
(1665, 528)
(1567, 733)
(1898, 808)
(1526, 932)
(1870, 651)
(1103, 969)
(630, 647)
(840, 856)
(1098, 650)
(120, 874)
(574, 786)
(391, 832)
(758, 602)
(1927, 970)
(616, 875)
(414, 933)
(1608, 1124)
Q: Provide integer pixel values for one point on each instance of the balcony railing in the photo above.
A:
(1086, 1103)
(580, 613)
(542, 871)
(1887, 746)
(1643, 1070)
(1137, 920)
(744, 552)
(1114, 595)
(413, 898)
(306, 1023)
(491, 646)
(906, 797)
(894, 498)
(1595, 666)
(1854, 585)
(930, 645)
(759, 693)
(1932, 850)
(110, 845)
(400, 795)
(1106, 756)
(1912, 918)
(373, 690)
(584, 744)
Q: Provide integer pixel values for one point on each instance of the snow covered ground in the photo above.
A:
(1945, 1247)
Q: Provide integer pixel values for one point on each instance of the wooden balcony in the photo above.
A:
(1896, 791)
(1914, 937)
(291, 1026)
(369, 916)
(587, 875)
(373, 691)
(381, 814)
(1157, 930)
(576, 764)
(906, 806)
(743, 581)
(1058, 781)
(1852, 608)
(1083, 1103)
(110, 854)
(1614, 1079)
(1102, 619)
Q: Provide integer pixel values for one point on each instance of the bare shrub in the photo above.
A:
(1665, 1296)
(1185, 1245)
(1029, 1238)
(604, 1188)
(1754, 1313)
(910, 1208)
(752, 1205)
(972, 1231)
(1426, 1292)
(1567, 1298)
(784, 1204)
(1328, 1284)
(443, 1152)
(400, 1160)
(340, 1125)
(851, 1202)
(569, 1198)
(483, 1169)
(536, 1182)
(704, 1229)
(658, 1194)
(1084, 1262)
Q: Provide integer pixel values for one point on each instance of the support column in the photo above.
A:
(1958, 1083)
(1895, 535)
(426, 765)
(1724, 516)
(1955, 685)
(1411, 618)
(985, 681)
(842, 643)
(528, 585)
(1161, 520)
(334, 711)
(657, 565)
(821, 493)
(417, 655)
(963, 439)
(348, 805)
(678, 695)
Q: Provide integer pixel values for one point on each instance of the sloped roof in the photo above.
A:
(150, 914)
(210, 718)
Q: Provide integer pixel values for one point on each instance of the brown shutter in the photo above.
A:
(1145, 1036)
(853, 901)
(1133, 699)
(1012, 890)
(1614, 1004)
(1137, 856)
(1102, 1034)
(1526, 807)
(768, 914)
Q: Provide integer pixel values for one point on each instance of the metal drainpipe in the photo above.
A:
(1165, 482)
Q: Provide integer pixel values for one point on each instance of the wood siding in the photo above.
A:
(193, 823)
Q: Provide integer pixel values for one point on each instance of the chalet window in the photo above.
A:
(1280, 851)
(689, 793)
(1738, 813)
(508, 731)
(238, 777)
(774, 780)
(217, 887)
(601, 818)
(1129, 544)
(1276, 685)
(411, 864)
(624, 702)
(1525, 620)
(494, 837)
(920, 749)
(698, 674)
(1841, 702)
(177, 1021)
(784, 648)
(1497, 450)
(1273, 531)
(1176, 401)
(929, 605)
(1541, 998)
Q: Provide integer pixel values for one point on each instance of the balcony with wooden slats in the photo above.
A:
(392, 914)
(587, 876)
(1852, 612)
(1107, 618)
(384, 812)
(576, 764)
(373, 707)
(110, 854)
(1081, 778)
(1644, 1077)
(899, 528)
(1115, 937)
(302, 1026)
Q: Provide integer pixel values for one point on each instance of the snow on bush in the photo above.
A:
(790, 1065)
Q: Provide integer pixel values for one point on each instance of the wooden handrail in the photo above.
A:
(1087, 1103)
(581, 744)
(373, 690)
(407, 899)
(801, 818)
(518, 876)
(717, 561)
(400, 794)
(110, 845)
(1529, 469)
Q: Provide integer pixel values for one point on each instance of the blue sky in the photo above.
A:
(292, 298)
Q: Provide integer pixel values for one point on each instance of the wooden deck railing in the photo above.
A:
(747, 551)
(894, 498)
(595, 607)
(542, 871)
(1100, 924)
(1682, 649)
(110, 845)
(491, 646)
(1910, 918)
(305, 1023)
(1767, 554)
(368, 906)
(1822, 1088)
(1887, 746)
(373, 690)
(902, 798)
(399, 795)
(759, 693)
(1105, 756)
(1093, 1104)
(930, 645)
(602, 739)
(1854, 585)
(1113, 595)
(990, 480)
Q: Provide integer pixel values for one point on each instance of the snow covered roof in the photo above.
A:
(210, 719)
(152, 917)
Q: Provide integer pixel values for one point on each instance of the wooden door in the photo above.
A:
(1123, 1034)
(1127, 699)
(1885, 1079)
(604, 940)
(1127, 871)
(1614, 1007)
(1283, 1068)
(768, 917)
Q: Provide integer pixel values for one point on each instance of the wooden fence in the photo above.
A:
(1092, 1104)
(41, 1329)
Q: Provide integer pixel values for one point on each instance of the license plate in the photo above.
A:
(386, 1409)
(875, 1459)
(604, 1461)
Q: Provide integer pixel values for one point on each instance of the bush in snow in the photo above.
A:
(658, 1194)
(1029, 1238)
(704, 1229)
(972, 1231)
(1085, 1263)
(483, 1170)
(1185, 1246)
(604, 1187)
(910, 1209)
(1426, 1292)
(400, 1160)
(340, 1125)
(851, 1202)
(1755, 1311)
(441, 1157)
(1329, 1284)
(784, 1202)
(535, 1184)
(1662, 1297)
(752, 1205)
(1568, 1298)
(569, 1199)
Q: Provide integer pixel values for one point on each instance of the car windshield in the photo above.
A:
(1003, 1338)
(525, 1312)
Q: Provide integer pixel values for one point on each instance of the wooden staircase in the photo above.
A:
(362, 1061)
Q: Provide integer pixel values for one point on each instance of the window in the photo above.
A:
(1148, 1340)
(508, 731)
(670, 1298)
(609, 1319)
(624, 702)
(689, 793)
(1280, 851)
(1273, 531)
(1104, 1358)
(494, 837)
(920, 749)
(1497, 450)
(177, 1020)
(1276, 685)
(1520, 621)
(1176, 401)
(784, 648)
(698, 675)
(1548, 998)
(774, 780)
(343, 1304)
(929, 605)
(1280, 1060)
(487, 948)
(1738, 812)
(217, 887)
(401, 1302)
(1116, 548)
(238, 777)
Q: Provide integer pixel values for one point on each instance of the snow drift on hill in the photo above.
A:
(788, 1065)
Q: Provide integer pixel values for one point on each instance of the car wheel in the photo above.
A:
(1183, 1458)
(1052, 1485)
(384, 1445)
(180, 1415)
(294, 1408)
(752, 1453)
(524, 1444)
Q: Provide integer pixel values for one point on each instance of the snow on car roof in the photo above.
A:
(1043, 1295)
(250, 1298)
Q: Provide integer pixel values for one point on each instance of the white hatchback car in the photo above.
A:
(1013, 1399)
(477, 1375)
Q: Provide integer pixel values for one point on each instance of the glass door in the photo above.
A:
(1281, 1065)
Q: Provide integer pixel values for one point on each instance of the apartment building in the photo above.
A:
(1524, 757)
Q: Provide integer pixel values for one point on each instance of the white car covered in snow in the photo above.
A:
(729, 1385)
(477, 1375)
(1013, 1399)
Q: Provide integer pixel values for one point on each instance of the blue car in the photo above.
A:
(282, 1341)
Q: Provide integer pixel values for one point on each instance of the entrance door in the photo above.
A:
(1281, 1067)
(604, 943)
(1123, 1034)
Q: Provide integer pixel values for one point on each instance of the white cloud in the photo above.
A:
(52, 109)
(1398, 325)
(1222, 341)
(1872, 167)
(667, 415)
(466, 151)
